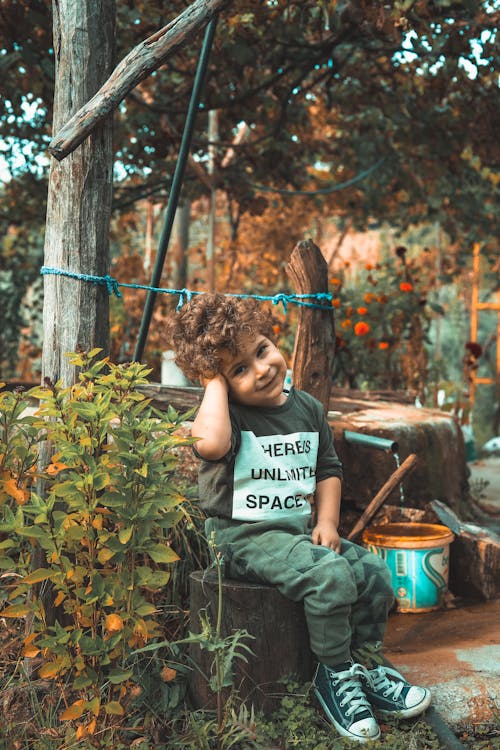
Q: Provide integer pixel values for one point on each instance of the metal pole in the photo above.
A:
(371, 441)
(213, 135)
(175, 190)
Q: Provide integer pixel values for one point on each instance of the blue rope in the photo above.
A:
(185, 295)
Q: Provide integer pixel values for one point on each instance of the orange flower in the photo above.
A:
(335, 302)
(346, 323)
(370, 297)
(361, 329)
(362, 310)
(382, 298)
(335, 281)
(276, 330)
(113, 623)
(168, 674)
(369, 267)
(405, 286)
(383, 344)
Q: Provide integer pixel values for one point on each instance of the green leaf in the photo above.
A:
(87, 411)
(114, 708)
(101, 480)
(37, 576)
(16, 610)
(7, 544)
(116, 675)
(145, 609)
(125, 535)
(162, 553)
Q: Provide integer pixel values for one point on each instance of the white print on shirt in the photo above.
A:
(274, 475)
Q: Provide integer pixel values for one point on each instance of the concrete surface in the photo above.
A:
(455, 651)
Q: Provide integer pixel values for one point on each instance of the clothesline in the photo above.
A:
(312, 300)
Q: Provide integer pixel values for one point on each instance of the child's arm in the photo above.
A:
(327, 499)
(212, 424)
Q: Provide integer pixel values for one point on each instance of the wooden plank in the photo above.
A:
(181, 399)
(474, 556)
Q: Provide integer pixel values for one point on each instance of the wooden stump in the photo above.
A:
(280, 645)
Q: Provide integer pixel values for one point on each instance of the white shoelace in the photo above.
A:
(351, 687)
(380, 680)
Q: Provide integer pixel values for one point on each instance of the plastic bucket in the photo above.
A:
(418, 557)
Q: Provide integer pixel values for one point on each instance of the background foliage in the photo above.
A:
(402, 94)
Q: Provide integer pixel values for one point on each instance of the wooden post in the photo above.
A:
(315, 338)
(76, 313)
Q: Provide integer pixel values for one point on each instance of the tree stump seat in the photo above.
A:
(280, 644)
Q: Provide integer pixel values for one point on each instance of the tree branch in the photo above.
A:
(134, 68)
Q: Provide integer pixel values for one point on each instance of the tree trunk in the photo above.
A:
(80, 190)
(180, 245)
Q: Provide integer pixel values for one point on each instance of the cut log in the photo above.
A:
(474, 556)
(280, 645)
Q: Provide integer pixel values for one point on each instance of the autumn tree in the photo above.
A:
(394, 102)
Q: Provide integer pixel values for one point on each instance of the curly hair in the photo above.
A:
(210, 323)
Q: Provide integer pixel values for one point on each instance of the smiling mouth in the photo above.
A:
(269, 383)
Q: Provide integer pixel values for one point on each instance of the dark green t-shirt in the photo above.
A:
(276, 458)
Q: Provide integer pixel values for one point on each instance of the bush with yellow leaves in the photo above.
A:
(86, 535)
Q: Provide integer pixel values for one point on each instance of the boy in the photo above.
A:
(270, 484)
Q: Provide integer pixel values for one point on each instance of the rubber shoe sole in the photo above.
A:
(344, 732)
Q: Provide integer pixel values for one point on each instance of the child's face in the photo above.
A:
(255, 374)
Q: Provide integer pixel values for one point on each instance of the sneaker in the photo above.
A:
(390, 694)
(342, 697)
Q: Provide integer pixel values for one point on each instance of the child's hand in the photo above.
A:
(326, 534)
(219, 378)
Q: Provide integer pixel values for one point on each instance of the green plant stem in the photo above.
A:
(220, 721)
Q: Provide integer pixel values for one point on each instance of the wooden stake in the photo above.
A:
(315, 338)
(382, 495)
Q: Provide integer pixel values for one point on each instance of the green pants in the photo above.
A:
(346, 596)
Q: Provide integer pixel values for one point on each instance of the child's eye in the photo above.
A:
(239, 370)
(261, 350)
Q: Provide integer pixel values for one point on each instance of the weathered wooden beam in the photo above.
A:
(80, 191)
(474, 556)
(315, 338)
(134, 68)
(181, 399)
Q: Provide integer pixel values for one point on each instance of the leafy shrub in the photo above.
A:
(381, 324)
(89, 531)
